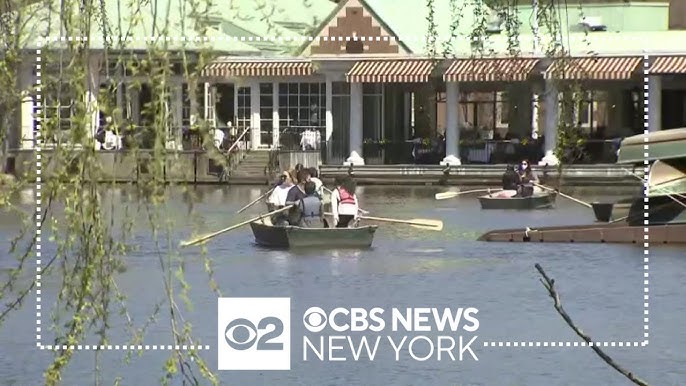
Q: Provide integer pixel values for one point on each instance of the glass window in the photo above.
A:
(340, 88)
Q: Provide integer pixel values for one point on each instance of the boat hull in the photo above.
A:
(536, 201)
(666, 219)
(601, 233)
(607, 211)
(325, 238)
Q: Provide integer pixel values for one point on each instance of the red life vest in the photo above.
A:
(345, 197)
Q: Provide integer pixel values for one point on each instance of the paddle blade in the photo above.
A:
(422, 223)
(446, 195)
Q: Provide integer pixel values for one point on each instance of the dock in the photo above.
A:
(259, 168)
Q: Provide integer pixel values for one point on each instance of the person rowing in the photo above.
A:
(529, 179)
(277, 199)
(295, 194)
(511, 181)
(344, 204)
(310, 207)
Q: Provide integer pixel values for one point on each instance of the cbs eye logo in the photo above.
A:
(242, 334)
(315, 319)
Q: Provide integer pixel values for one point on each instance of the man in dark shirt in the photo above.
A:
(296, 194)
(511, 179)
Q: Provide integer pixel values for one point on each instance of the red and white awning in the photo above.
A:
(594, 68)
(490, 70)
(391, 71)
(259, 69)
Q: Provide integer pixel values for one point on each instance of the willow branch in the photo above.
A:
(549, 285)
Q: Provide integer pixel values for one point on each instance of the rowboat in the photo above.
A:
(666, 191)
(607, 211)
(542, 200)
(272, 236)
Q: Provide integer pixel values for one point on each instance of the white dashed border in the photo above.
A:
(646, 244)
(39, 110)
(38, 145)
(39, 216)
(646, 201)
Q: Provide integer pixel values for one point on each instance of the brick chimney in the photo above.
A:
(677, 14)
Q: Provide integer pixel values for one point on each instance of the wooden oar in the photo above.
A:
(564, 195)
(257, 199)
(423, 223)
(446, 195)
(201, 239)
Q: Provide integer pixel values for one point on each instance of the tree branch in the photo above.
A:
(549, 285)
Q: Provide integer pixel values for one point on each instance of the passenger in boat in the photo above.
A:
(529, 179)
(311, 213)
(277, 199)
(511, 179)
(318, 184)
(344, 204)
(295, 194)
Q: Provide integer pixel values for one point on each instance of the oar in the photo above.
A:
(358, 209)
(564, 195)
(199, 240)
(423, 223)
(257, 199)
(446, 195)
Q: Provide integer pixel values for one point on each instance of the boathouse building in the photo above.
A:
(358, 79)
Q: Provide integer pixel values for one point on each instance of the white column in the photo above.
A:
(177, 102)
(535, 108)
(92, 91)
(193, 99)
(120, 107)
(552, 108)
(26, 80)
(407, 110)
(255, 115)
(329, 109)
(275, 115)
(452, 134)
(654, 103)
(355, 125)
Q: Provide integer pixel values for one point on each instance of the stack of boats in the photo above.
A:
(665, 217)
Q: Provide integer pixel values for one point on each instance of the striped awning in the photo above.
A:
(594, 68)
(391, 71)
(669, 65)
(258, 69)
(490, 70)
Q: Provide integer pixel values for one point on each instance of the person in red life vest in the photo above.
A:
(344, 204)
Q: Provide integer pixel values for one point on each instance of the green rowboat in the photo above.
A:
(271, 236)
(535, 201)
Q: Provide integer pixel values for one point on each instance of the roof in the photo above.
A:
(278, 28)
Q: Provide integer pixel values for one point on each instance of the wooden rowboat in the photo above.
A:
(535, 201)
(268, 235)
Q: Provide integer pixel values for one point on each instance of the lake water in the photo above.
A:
(601, 288)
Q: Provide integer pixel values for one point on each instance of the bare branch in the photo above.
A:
(549, 285)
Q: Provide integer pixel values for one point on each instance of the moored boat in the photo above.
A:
(609, 211)
(666, 192)
(544, 200)
(268, 235)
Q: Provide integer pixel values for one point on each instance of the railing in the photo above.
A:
(234, 154)
(432, 151)
(304, 138)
